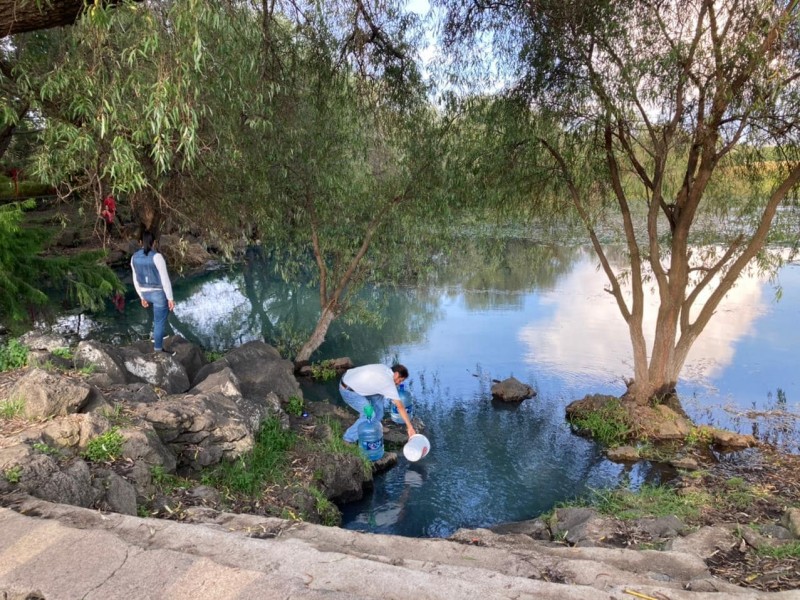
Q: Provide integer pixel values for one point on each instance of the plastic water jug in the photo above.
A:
(370, 435)
(408, 402)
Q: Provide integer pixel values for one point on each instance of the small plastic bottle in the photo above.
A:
(408, 402)
(370, 435)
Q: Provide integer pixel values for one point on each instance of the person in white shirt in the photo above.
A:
(151, 280)
(370, 384)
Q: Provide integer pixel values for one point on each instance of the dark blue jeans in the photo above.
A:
(158, 300)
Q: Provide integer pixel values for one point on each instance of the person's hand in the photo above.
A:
(171, 304)
(145, 303)
(411, 431)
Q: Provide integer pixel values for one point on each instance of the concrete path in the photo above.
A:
(51, 551)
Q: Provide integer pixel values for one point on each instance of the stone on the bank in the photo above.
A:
(512, 390)
(38, 340)
(791, 520)
(46, 395)
(704, 542)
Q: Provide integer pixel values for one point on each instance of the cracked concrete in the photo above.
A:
(65, 552)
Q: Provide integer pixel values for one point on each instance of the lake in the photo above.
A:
(538, 313)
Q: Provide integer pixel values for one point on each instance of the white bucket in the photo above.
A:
(416, 447)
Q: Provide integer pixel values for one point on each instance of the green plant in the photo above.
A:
(649, 500)
(14, 474)
(46, 449)
(295, 406)
(787, 550)
(64, 353)
(213, 355)
(326, 509)
(323, 371)
(265, 463)
(87, 369)
(13, 355)
(11, 408)
(608, 424)
(106, 447)
(117, 415)
(699, 436)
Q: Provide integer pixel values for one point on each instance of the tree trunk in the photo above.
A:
(19, 16)
(318, 336)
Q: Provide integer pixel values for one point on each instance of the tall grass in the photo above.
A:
(266, 463)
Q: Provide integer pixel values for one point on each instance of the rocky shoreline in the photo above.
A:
(177, 417)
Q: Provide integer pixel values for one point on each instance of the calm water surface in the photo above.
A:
(537, 313)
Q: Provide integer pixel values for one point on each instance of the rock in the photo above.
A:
(512, 390)
(623, 454)
(259, 369)
(46, 395)
(704, 542)
(662, 527)
(103, 359)
(156, 368)
(791, 520)
(728, 440)
(116, 494)
(686, 463)
(38, 340)
(582, 526)
(534, 528)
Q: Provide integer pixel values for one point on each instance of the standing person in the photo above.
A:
(370, 384)
(151, 280)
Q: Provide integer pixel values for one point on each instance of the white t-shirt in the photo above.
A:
(372, 379)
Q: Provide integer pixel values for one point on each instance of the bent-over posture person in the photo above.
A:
(370, 384)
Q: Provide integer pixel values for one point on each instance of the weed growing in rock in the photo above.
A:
(64, 353)
(326, 509)
(11, 408)
(46, 449)
(607, 425)
(295, 406)
(265, 463)
(788, 550)
(323, 371)
(13, 475)
(13, 355)
(649, 500)
(106, 447)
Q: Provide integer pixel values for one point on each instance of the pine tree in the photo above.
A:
(25, 272)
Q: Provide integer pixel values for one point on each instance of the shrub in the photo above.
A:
(295, 406)
(13, 355)
(323, 371)
(106, 447)
(608, 424)
(11, 408)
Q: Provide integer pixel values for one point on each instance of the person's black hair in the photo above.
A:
(148, 239)
(400, 370)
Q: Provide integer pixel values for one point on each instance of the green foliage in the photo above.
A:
(14, 474)
(167, 482)
(13, 355)
(64, 353)
(213, 355)
(608, 425)
(11, 408)
(295, 406)
(789, 549)
(46, 449)
(323, 371)
(25, 273)
(265, 463)
(106, 447)
(327, 510)
(700, 436)
(648, 501)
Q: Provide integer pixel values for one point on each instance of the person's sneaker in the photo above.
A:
(167, 352)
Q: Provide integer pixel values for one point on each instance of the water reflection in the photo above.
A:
(536, 312)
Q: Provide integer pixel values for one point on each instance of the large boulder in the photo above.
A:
(512, 390)
(46, 394)
(259, 370)
(200, 429)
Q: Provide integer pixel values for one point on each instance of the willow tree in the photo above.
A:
(652, 110)
(351, 163)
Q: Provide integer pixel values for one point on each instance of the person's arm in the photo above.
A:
(136, 286)
(401, 408)
(161, 265)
